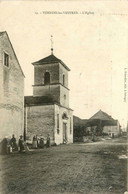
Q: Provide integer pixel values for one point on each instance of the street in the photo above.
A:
(74, 168)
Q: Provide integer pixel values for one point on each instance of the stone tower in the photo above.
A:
(51, 79)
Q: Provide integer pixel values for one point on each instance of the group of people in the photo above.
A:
(10, 145)
(39, 142)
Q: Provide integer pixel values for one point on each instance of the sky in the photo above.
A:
(93, 43)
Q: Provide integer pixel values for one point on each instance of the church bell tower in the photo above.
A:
(51, 79)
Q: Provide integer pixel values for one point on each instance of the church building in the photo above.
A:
(47, 111)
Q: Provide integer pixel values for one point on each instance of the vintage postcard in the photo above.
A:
(63, 97)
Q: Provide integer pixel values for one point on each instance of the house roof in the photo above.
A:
(41, 100)
(106, 119)
(1, 34)
(37, 100)
(50, 59)
(102, 116)
(78, 121)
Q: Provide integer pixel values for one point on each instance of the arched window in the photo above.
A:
(47, 78)
(63, 79)
(64, 116)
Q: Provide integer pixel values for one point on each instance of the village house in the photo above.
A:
(99, 124)
(11, 90)
(47, 111)
(104, 123)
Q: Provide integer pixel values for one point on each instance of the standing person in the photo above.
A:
(41, 142)
(48, 144)
(37, 139)
(21, 143)
(34, 143)
(13, 143)
(9, 146)
(4, 145)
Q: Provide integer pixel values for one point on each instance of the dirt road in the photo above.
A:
(76, 168)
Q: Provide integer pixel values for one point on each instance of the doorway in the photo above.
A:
(65, 132)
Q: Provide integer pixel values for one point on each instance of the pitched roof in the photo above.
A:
(1, 34)
(78, 121)
(37, 100)
(102, 116)
(50, 59)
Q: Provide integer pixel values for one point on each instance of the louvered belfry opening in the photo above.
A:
(47, 78)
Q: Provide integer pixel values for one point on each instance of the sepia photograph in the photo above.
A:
(63, 97)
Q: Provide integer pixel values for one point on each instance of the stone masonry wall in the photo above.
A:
(39, 72)
(64, 96)
(40, 121)
(12, 92)
(63, 71)
(52, 91)
(111, 129)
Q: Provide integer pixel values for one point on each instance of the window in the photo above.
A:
(6, 59)
(58, 123)
(64, 116)
(63, 79)
(64, 97)
(47, 78)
